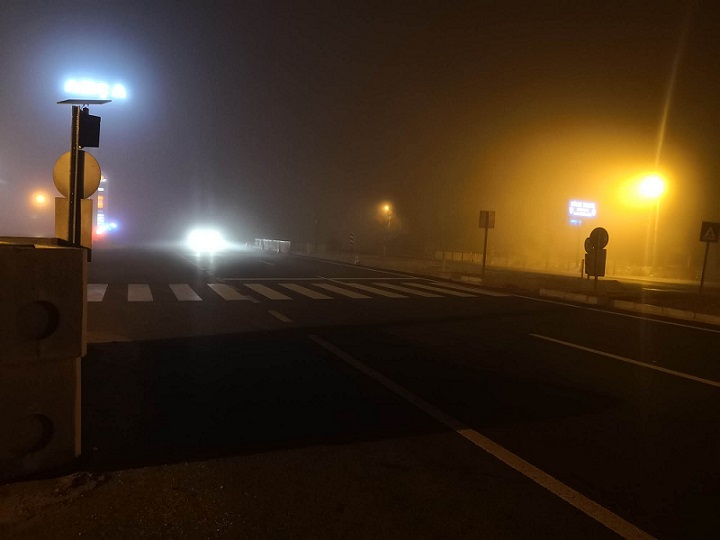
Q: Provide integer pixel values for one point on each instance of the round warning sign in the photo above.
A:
(91, 174)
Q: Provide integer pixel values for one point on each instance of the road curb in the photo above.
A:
(646, 309)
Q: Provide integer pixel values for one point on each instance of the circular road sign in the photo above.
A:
(599, 237)
(91, 176)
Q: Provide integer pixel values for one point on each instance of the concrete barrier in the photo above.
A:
(42, 338)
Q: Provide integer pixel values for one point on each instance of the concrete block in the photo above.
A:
(678, 313)
(42, 337)
(710, 319)
(648, 309)
(624, 304)
(42, 303)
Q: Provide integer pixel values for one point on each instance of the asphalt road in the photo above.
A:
(262, 395)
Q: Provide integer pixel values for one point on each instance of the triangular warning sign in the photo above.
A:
(710, 235)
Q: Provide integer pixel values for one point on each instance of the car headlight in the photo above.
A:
(205, 240)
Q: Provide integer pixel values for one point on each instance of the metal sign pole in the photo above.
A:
(702, 275)
(73, 199)
(485, 249)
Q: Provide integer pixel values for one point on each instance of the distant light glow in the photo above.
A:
(94, 89)
(206, 241)
(39, 198)
(586, 209)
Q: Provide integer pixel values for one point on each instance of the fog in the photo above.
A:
(299, 121)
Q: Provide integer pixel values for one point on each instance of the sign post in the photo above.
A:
(596, 255)
(709, 232)
(487, 221)
(85, 132)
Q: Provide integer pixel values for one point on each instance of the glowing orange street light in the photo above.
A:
(653, 187)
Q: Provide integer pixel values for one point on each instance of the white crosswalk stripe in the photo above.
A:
(184, 292)
(139, 292)
(96, 292)
(306, 292)
(440, 290)
(338, 290)
(469, 289)
(267, 292)
(408, 291)
(374, 290)
(226, 292)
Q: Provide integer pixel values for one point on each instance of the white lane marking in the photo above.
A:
(184, 292)
(139, 292)
(441, 290)
(469, 289)
(306, 292)
(618, 314)
(227, 292)
(381, 292)
(408, 291)
(338, 290)
(280, 316)
(96, 292)
(268, 263)
(589, 507)
(267, 291)
(630, 361)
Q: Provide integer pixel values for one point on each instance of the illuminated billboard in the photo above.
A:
(582, 209)
(94, 89)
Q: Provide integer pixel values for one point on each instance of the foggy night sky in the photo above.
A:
(263, 116)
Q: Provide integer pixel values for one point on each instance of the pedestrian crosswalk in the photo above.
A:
(283, 291)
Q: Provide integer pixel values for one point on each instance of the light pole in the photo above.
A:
(388, 217)
(652, 187)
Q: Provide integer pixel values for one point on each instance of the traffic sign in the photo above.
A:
(487, 219)
(599, 238)
(709, 232)
(91, 175)
(595, 263)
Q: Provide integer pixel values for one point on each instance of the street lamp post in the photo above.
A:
(388, 217)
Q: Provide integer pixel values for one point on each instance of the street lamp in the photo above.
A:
(653, 187)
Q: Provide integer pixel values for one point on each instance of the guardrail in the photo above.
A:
(278, 246)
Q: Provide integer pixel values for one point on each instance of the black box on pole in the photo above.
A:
(89, 130)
